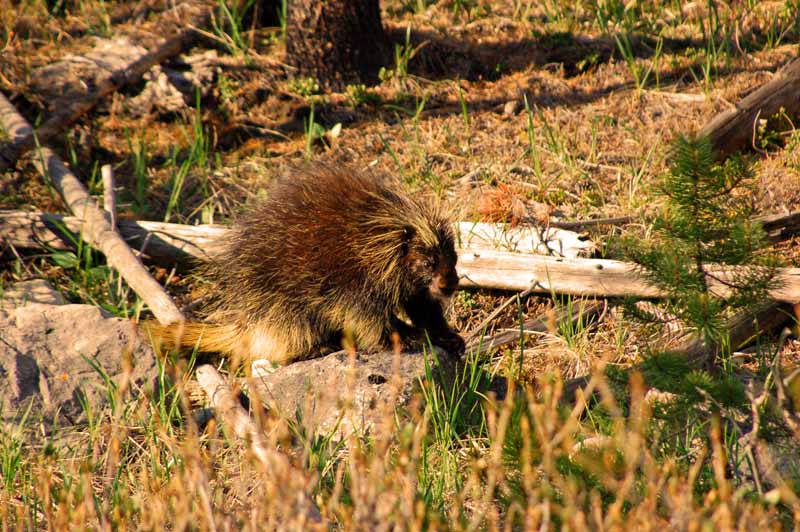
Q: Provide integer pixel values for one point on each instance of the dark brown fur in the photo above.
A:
(332, 253)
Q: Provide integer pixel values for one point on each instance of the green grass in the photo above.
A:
(182, 164)
(229, 28)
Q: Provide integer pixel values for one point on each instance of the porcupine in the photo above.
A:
(331, 253)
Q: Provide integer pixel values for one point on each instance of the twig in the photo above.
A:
(236, 418)
(496, 312)
(95, 227)
(109, 194)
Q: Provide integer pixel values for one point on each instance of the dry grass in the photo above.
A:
(573, 110)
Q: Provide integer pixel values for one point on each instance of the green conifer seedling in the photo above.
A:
(705, 220)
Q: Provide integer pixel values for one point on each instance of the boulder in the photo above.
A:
(34, 291)
(343, 393)
(54, 358)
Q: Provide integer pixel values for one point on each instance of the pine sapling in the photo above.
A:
(705, 221)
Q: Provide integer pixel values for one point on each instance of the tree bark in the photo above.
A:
(336, 42)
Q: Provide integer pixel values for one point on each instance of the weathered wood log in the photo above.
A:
(96, 228)
(735, 129)
(479, 268)
(67, 113)
(588, 277)
(163, 243)
(36, 230)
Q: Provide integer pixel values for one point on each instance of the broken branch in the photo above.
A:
(95, 228)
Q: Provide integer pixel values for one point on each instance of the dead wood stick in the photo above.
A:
(66, 114)
(165, 243)
(735, 129)
(95, 227)
(109, 194)
(236, 418)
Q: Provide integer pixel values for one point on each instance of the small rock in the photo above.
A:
(342, 392)
(33, 291)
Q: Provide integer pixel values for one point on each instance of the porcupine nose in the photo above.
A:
(447, 284)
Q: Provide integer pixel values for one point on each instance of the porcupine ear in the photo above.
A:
(408, 235)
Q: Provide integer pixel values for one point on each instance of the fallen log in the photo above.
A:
(589, 277)
(162, 243)
(166, 243)
(479, 268)
(735, 129)
(95, 227)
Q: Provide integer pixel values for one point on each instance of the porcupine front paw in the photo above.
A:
(451, 342)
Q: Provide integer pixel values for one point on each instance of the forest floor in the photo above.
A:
(566, 108)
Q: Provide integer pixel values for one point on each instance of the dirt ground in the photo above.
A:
(487, 82)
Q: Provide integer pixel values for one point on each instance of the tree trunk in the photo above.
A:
(261, 14)
(336, 42)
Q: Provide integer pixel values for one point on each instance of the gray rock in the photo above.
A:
(33, 291)
(342, 392)
(47, 354)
